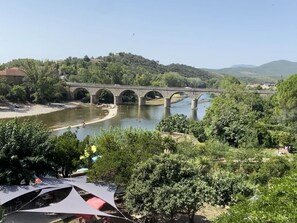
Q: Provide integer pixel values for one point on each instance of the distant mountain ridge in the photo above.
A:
(243, 66)
(271, 71)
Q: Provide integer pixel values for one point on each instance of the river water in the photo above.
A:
(146, 117)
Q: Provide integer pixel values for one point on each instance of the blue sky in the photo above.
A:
(200, 33)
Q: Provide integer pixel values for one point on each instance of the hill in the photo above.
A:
(126, 69)
(271, 71)
(136, 63)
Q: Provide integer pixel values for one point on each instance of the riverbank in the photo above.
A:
(9, 111)
(24, 110)
(112, 112)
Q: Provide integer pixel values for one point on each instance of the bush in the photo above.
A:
(228, 188)
(275, 167)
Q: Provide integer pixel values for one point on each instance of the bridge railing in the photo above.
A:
(116, 86)
(155, 88)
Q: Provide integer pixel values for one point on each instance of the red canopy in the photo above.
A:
(96, 203)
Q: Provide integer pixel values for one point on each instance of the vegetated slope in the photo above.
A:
(130, 63)
(136, 63)
(271, 71)
(188, 71)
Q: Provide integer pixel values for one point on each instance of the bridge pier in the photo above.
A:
(194, 114)
(93, 99)
(141, 101)
(116, 100)
(167, 102)
(167, 112)
(194, 103)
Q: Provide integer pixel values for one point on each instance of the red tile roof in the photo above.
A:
(13, 71)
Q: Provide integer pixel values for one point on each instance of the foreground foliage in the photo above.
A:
(26, 150)
(120, 150)
(180, 123)
(164, 186)
(276, 203)
(68, 150)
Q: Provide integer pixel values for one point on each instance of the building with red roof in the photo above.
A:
(13, 75)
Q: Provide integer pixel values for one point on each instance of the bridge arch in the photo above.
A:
(126, 96)
(169, 96)
(149, 96)
(104, 96)
(81, 94)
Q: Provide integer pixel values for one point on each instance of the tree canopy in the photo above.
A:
(25, 151)
(121, 149)
(68, 150)
(236, 117)
(164, 186)
(277, 203)
(42, 81)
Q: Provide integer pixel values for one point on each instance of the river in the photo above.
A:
(146, 117)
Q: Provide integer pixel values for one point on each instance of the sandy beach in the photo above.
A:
(24, 110)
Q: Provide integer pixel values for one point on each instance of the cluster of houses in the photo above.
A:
(263, 86)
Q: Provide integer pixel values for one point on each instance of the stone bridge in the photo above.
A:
(141, 92)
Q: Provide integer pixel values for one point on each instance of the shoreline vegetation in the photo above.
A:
(27, 110)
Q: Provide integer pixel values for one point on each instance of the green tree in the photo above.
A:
(235, 117)
(228, 188)
(286, 97)
(115, 72)
(173, 79)
(274, 167)
(67, 153)
(42, 81)
(143, 79)
(180, 123)
(228, 82)
(175, 123)
(17, 93)
(25, 150)
(164, 186)
(121, 149)
(286, 93)
(4, 87)
(276, 203)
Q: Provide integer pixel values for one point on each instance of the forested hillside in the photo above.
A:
(127, 69)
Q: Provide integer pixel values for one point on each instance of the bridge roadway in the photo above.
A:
(141, 91)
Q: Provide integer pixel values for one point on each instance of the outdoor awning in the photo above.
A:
(105, 193)
(72, 204)
(8, 193)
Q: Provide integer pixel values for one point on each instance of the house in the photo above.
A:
(13, 75)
